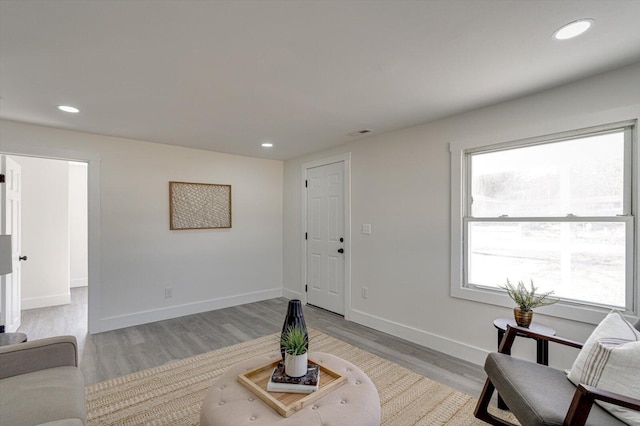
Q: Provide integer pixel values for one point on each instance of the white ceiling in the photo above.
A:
(228, 75)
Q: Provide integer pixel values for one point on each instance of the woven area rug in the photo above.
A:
(172, 394)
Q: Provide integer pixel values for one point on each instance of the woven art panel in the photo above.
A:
(199, 205)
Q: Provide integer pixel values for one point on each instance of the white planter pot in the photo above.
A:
(295, 365)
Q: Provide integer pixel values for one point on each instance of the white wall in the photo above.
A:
(78, 223)
(45, 232)
(138, 255)
(401, 185)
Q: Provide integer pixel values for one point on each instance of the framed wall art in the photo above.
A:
(199, 206)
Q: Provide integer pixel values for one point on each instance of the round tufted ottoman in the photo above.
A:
(228, 403)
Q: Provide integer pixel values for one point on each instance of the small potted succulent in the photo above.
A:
(295, 342)
(527, 300)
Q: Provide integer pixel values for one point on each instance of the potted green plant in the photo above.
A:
(527, 300)
(295, 342)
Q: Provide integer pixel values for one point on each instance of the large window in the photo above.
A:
(556, 210)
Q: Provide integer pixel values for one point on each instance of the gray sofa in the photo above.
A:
(41, 384)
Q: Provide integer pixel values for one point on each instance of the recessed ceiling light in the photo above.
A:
(573, 29)
(267, 145)
(67, 108)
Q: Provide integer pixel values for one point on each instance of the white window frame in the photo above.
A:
(460, 217)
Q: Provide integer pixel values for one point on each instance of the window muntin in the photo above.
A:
(557, 212)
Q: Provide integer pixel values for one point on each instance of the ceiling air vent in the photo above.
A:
(359, 132)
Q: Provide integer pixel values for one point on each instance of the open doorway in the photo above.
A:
(54, 224)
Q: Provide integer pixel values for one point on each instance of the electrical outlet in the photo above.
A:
(365, 292)
(168, 292)
(366, 228)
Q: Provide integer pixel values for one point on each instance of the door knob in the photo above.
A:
(340, 250)
(22, 258)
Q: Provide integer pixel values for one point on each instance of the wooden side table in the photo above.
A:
(542, 346)
(12, 338)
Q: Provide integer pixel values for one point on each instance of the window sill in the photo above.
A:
(589, 314)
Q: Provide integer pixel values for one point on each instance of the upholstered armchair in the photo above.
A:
(540, 395)
(40, 383)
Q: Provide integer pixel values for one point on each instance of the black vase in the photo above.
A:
(294, 317)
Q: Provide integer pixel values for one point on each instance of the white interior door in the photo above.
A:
(10, 225)
(325, 237)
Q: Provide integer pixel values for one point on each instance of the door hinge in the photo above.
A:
(1, 178)
(306, 235)
(306, 288)
(306, 183)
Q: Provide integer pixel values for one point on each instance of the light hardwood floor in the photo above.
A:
(114, 353)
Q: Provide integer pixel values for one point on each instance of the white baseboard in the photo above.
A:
(412, 334)
(122, 321)
(79, 282)
(432, 341)
(45, 301)
(290, 294)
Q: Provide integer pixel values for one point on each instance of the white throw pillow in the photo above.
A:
(610, 360)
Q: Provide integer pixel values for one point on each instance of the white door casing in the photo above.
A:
(93, 181)
(10, 225)
(326, 236)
